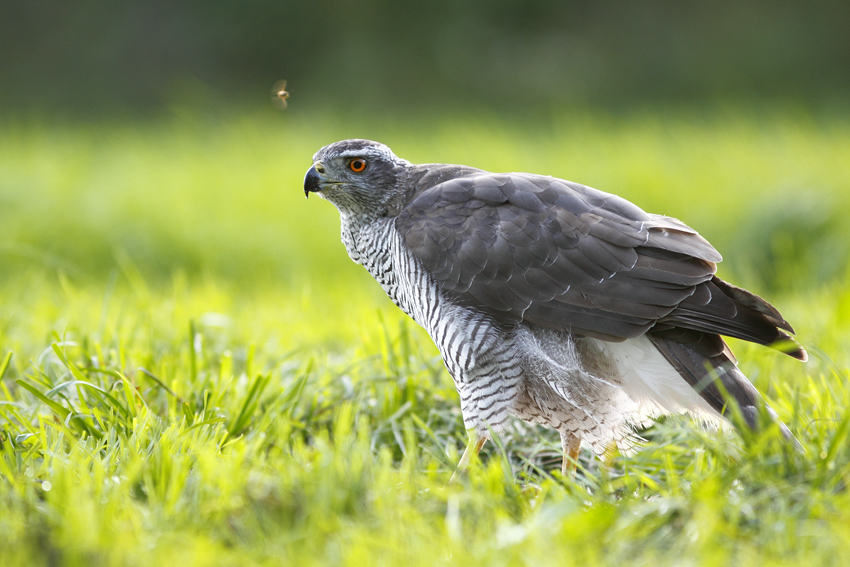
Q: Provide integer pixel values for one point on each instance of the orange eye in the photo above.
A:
(357, 165)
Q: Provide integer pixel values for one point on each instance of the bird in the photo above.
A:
(551, 301)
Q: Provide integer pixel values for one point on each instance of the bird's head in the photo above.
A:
(358, 176)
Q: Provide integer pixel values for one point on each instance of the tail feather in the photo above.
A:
(711, 375)
(718, 307)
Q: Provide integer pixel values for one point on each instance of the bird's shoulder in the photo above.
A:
(435, 186)
(470, 203)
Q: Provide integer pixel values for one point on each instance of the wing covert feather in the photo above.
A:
(565, 256)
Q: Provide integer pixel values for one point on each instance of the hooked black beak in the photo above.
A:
(311, 181)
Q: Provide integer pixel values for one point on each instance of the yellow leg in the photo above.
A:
(571, 444)
(476, 441)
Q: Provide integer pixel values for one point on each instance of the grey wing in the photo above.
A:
(565, 256)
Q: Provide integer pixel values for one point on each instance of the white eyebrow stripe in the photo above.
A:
(368, 151)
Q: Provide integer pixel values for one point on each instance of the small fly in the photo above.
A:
(280, 94)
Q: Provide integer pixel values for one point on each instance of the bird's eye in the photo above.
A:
(357, 165)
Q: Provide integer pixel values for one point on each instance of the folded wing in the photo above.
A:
(564, 256)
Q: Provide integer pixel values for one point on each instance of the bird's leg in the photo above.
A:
(476, 441)
(571, 444)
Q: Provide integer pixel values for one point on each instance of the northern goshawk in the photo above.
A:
(549, 300)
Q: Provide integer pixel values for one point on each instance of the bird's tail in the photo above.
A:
(718, 380)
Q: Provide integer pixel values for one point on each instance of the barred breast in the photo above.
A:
(573, 384)
(475, 350)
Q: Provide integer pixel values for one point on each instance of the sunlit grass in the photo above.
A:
(192, 371)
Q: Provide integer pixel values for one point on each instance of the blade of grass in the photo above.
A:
(249, 405)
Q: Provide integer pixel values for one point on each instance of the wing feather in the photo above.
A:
(565, 256)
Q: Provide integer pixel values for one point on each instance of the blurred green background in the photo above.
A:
(149, 127)
(143, 136)
(362, 56)
(155, 244)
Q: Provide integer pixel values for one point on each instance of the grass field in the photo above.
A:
(192, 372)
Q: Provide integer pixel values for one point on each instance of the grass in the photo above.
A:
(192, 371)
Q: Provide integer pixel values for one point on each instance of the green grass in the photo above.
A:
(193, 373)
